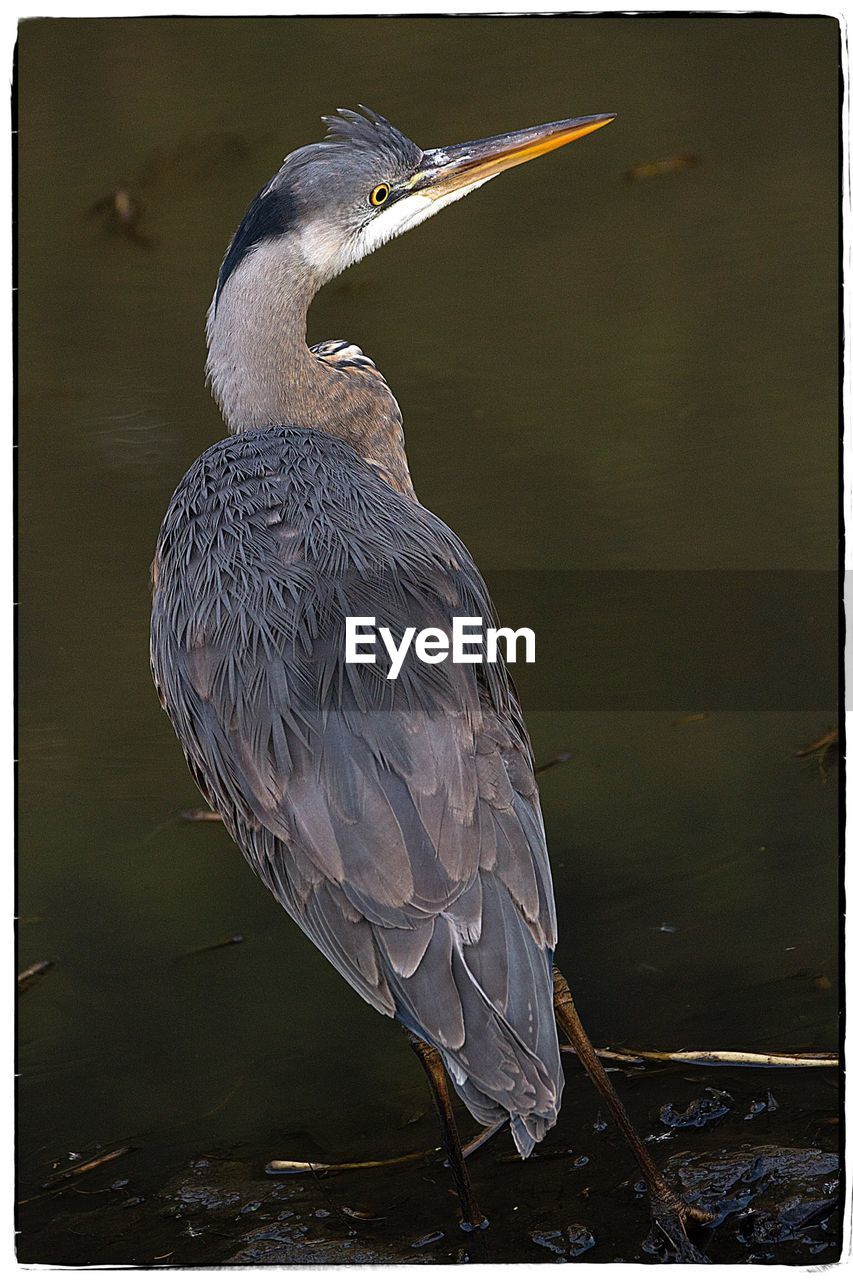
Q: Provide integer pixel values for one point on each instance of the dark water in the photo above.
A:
(621, 394)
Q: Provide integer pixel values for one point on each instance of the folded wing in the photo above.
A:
(396, 821)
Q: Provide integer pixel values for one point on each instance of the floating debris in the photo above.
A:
(574, 1241)
(691, 719)
(698, 1114)
(552, 1240)
(191, 160)
(824, 748)
(122, 211)
(547, 1153)
(657, 168)
(580, 1239)
(360, 1215)
(316, 1166)
(201, 815)
(233, 941)
(432, 1238)
(718, 1057)
(87, 1166)
(297, 1167)
(34, 971)
(563, 758)
(758, 1107)
(824, 743)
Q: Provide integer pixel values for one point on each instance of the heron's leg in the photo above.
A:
(430, 1060)
(664, 1200)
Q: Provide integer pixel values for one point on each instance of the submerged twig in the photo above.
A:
(563, 758)
(76, 1170)
(201, 815)
(824, 747)
(655, 168)
(122, 212)
(821, 744)
(234, 940)
(34, 971)
(318, 1166)
(716, 1057)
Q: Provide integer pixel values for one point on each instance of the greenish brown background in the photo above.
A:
(622, 395)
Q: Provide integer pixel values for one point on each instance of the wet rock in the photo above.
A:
(284, 1251)
(579, 1238)
(698, 1114)
(718, 1171)
(552, 1240)
(786, 1220)
(574, 1241)
(776, 1193)
(211, 1198)
(432, 1238)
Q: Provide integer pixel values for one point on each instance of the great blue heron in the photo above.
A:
(397, 822)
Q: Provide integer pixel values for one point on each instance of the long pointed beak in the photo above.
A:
(468, 164)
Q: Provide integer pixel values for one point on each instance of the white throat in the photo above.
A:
(329, 256)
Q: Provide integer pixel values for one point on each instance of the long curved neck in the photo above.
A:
(263, 374)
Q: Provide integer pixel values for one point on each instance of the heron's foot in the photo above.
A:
(683, 1225)
(480, 1223)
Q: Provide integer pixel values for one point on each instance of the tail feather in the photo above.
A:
(506, 1061)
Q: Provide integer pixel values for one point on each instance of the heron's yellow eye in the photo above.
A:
(380, 194)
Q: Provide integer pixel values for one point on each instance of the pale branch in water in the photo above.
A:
(698, 1057)
(34, 971)
(96, 1162)
(716, 1057)
(317, 1166)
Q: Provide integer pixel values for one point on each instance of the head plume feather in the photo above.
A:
(366, 129)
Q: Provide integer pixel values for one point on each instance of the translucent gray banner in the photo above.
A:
(645, 640)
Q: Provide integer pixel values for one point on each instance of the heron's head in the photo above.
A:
(339, 199)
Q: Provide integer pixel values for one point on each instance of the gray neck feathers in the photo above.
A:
(263, 374)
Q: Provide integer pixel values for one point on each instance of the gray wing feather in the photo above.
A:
(396, 821)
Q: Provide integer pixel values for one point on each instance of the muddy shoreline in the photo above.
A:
(756, 1148)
